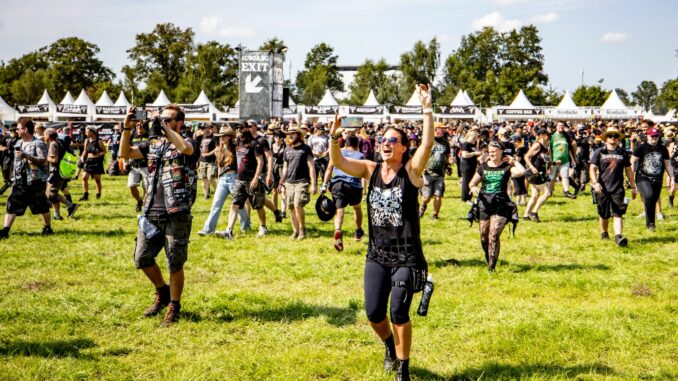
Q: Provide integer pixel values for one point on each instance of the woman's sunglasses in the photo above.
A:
(391, 140)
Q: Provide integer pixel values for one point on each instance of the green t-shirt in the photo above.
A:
(560, 149)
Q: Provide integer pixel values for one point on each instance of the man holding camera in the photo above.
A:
(166, 219)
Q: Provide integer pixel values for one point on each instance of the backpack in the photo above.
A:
(68, 163)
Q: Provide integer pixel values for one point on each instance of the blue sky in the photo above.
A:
(622, 42)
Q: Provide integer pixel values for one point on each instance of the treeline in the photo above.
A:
(490, 65)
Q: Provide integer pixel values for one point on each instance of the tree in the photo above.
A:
(668, 96)
(28, 88)
(624, 96)
(646, 94)
(321, 62)
(74, 66)
(552, 96)
(418, 66)
(163, 52)
(273, 45)
(374, 76)
(494, 66)
(214, 69)
(590, 96)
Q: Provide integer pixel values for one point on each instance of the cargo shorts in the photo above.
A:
(175, 230)
(297, 194)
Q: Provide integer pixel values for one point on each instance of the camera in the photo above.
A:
(155, 130)
(139, 114)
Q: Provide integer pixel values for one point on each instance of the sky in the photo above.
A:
(621, 42)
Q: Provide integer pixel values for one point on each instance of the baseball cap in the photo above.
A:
(653, 132)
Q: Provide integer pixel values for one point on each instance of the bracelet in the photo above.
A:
(427, 110)
(334, 137)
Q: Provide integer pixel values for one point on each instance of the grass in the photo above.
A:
(563, 304)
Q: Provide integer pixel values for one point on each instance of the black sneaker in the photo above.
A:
(72, 209)
(47, 230)
(422, 210)
(604, 235)
(651, 227)
(359, 234)
(570, 195)
(98, 196)
(534, 217)
(621, 241)
(402, 370)
(57, 217)
(435, 217)
(85, 197)
(139, 205)
(525, 218)
(278, 216)
(4, 233)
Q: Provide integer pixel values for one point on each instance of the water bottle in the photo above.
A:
(426, 296)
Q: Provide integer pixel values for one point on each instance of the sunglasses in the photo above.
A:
(391, 140)
(613, 136)
(495, 145)
(167, 119)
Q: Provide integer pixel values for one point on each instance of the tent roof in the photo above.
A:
(68, 99)
(613, 102)
(468, 99)
(292, 102)
(414, 99)
(202, 99)
(161, 100)
(567, 102)
(460, 100)
(104, 100)
(122, 100)
(371, 100)
(521, 101)
(6, 109)
(328, 99)
(45, 99)
(83, 99)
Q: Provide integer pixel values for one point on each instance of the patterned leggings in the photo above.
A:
(490, 232)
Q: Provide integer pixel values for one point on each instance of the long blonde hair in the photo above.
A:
(225, 153)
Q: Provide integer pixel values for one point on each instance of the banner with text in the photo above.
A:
(26, 109)
(111, 110)
(321, 110)
(255, 85)
(366, 110)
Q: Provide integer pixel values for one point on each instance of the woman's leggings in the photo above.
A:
(650, 191)
(380, 281)
(467, 172)
(490, 232)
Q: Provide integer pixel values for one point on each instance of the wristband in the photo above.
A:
(334, 137)
(427, 110)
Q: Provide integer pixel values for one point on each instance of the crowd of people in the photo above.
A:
(278, 166)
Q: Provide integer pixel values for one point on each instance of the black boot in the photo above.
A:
(402, 370)
(390, 355)
(85, 197)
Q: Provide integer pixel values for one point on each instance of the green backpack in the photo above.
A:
(68, 166)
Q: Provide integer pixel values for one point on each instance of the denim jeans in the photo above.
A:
(224, 188)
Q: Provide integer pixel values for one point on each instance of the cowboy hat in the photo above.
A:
(293, 128)
(325, 208)
(613, 130)
(225, 131)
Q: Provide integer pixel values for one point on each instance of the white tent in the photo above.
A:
(44, 109)
(68, 99)
(122, 100)
(520, 108)
(468, 98)
(410, 111)
(567, 109)
(371, 100)
(461, 108)
(6, 112)
(614, 108)
(414, 100)
(328, 99)
(104, 100)
(161, 100)
(202, 101)
(669, 117)
(291, 112)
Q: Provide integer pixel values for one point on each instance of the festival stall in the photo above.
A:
(7, 113)
(122, 100)
(462, 107)
(370, 111)
(291, 112)
(202, 109)
(567, 110)
(669, 117)
(410, 111)
(106, 110)
(520, 109)
(322, 112)
(614, 108)
(231, 114)
(160, 102)
(44, 110)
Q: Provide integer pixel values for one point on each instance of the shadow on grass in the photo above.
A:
(561, 267)
(493, 371)
(263, 309)
(461, 263)
(56, 349)
(655, 239)
(578, 218)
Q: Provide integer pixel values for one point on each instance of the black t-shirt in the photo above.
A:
(247, 159)
(468, 147)
(520, 154)
(143, 144)
(297, 163)
(439, 155)
(494, 179)
(611, 164)
(265, 147)
(583, 148)
(207, 144)
(509, 148)
(651, 163)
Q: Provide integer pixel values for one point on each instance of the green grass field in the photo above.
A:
(562, 305)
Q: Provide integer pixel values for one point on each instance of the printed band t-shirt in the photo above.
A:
(651, 163)
(438, 160)
(494, 179)
(297, 164)
(611, 165)
(560, 148)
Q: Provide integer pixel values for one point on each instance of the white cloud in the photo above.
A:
(614, 37)
(545, 19)
(497, 21)
(214, 25)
